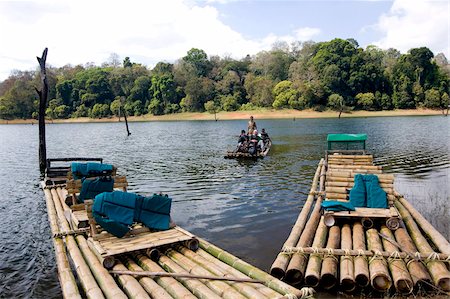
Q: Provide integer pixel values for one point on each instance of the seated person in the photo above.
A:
(265, 138)
(254, 146)
(242, 142)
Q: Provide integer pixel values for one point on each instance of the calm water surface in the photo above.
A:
(247, 208)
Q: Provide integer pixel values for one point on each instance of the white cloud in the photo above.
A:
(78, 32)
(306, 33)
(416, 23)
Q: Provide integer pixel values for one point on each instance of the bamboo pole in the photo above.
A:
(229, 270)
(67, 280)
(360, 262)
(382, 177)
(351, 184)
(199, 289)
(441, 243)
(104, 279)
(351, 167)
(347, 271)
(278, 268)
(88, 283)
(312, 273)
(418, 271)
(296, 268)
(350, 179)
(379, 273)
(43, 95)
(438, 270)
(250, 270)
(328, 274)
(130, 285)
(221, 288)
(171, 285)
(350, 156)
(149, 285)
(246, 289)
(400, 275)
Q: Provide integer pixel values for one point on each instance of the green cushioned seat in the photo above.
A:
(337, 206)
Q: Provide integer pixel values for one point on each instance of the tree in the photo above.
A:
(285, 95)
(198, 59)
(336, 103)
(432, 98)
(259, 90)
(365, 100)
(212, 107)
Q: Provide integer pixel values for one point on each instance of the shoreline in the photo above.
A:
(239, 115)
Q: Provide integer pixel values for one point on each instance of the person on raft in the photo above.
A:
(251, 126)
(265, 139)
(254, 146)
(242, 142)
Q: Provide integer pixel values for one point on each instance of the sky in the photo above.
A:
(89, 31)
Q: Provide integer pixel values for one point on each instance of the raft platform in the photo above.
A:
(144, 264)
(392, 250)
(242, 155)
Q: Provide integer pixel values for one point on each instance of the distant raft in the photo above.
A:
(246, 155)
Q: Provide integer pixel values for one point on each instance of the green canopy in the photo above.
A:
(346, 141)
(347, 137)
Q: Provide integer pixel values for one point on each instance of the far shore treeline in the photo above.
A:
(337, 75)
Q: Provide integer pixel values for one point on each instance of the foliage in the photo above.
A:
(337, 74)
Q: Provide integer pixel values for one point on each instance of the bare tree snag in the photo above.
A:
(43, 93)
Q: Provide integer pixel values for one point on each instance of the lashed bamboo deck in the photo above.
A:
(87, 266)
(359, 250)
(240, 155)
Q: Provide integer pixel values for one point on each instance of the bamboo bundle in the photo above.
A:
(418, 272)
(438, 270)
(199, 289)
(278, 268)
(131, 286)
(67, 280)
(379, 273)
(228, 270)
(347, 272)
(312, 273)
(244, 288)
(250, 270)
(351, 167)
(441, 243)
(152, 288)
(88, 283)
(352, 172)
(328, 274)
(331, 195)
(400, 275)
(360, 262)
(104, 279)
(221, 288)
(297, 266)
(171, 285)
(336, 155)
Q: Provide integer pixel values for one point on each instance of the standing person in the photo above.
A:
(251, 126)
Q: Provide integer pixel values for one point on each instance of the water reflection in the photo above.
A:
(246, 207)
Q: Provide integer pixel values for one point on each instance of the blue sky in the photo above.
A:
(78, 32)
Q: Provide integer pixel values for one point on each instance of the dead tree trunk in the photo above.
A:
(126, 122)
(43, 93)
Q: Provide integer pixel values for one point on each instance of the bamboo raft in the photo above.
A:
(395, 250)
(145, 264)
(241, 155)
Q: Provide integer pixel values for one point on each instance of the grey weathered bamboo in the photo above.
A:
(250, 270)
(67, 280)
(438, 270)
(399, 272)
(312, 273)
(131, 286)
(379, 273)
(85, 276)
(280, 264)
(436, 237)
(347, 271)
(328, 274)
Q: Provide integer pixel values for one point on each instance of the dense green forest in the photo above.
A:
(337, 74)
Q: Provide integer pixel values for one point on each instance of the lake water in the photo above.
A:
(245, 207)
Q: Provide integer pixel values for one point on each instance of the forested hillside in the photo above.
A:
(337, 74)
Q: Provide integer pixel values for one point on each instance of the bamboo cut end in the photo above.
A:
(404, 286)
(444, 284)
(294, 276)
(328, 281)
(362, 280)
(348, 285)
(277, 272)
(381, 282)
(312, 281)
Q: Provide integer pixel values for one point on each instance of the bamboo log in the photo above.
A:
(351, 184)
(360, 262)
(351, 167)
(229, 270)
(438, 270)
(130, 285)
(297, 266)
(152, 288)
(379, 273)
(382, 177)
(312, 273)
(67, 280)
(221, 288)
(250, 270)
(337, 155)
(88, 283)
(441, 243)
(104, 279)
(328, 274)
(199, 289)
(347, 272)
(278, 268)
(171, 285)
(246, 289)
(418, 272)
(400, 275)
(332, 178)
